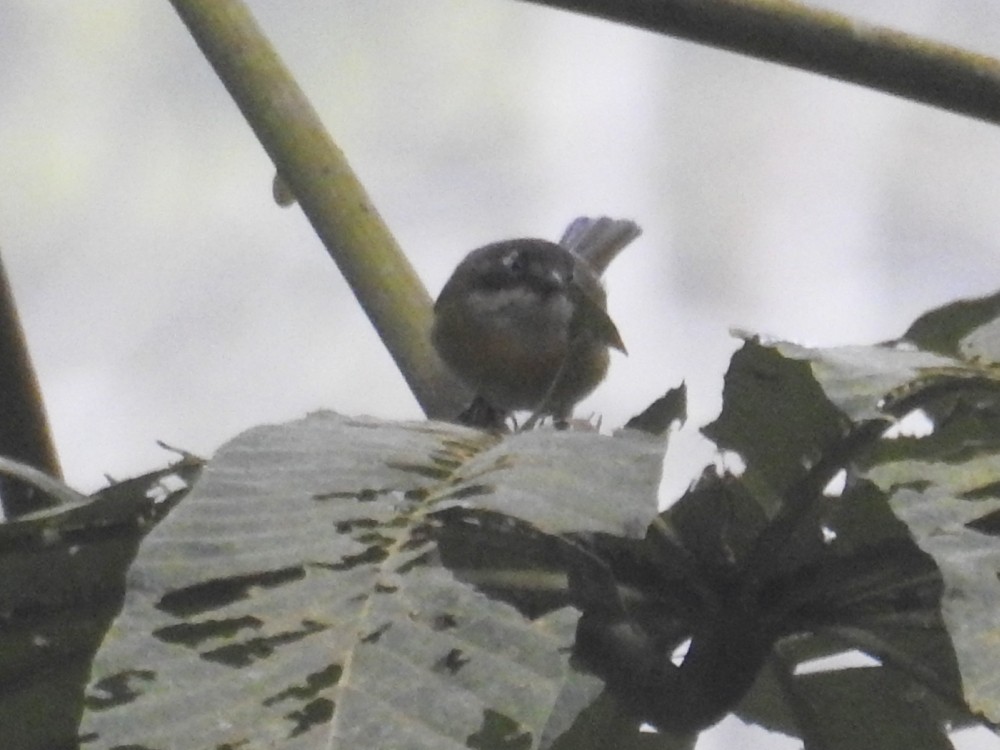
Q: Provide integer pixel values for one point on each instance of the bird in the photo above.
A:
(523, 323)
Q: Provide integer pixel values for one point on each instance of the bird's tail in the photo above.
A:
(598, 241)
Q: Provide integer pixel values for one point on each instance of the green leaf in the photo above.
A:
(942, 486)
(662, 414)
(943, 330)
(864, 707)
(605, 725)
(62, 580)
(841, 565)
(776, 417)
(982, 344)
(940, 502)
(297, 596)
(857, 379)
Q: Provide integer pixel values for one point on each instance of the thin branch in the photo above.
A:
(328, 191)
(820, 41)
(50, 492)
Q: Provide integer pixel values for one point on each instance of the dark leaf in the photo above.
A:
(776, 416)
(62, 582)
(660, 415)
(943, 330)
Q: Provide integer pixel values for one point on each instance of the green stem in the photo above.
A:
(24, 428)
(330, 194)
(820, 41)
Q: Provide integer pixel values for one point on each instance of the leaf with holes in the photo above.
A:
(62, 580)
(297, 596)
(942, 482)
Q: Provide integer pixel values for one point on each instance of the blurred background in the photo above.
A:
(165, 296)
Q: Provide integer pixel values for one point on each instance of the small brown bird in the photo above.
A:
(524, 323)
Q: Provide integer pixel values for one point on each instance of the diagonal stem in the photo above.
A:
(24, 427)
(822, 42)
(328, 191)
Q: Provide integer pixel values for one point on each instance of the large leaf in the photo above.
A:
(944, 485)
(771, 556)
(774, 416)
(62, 580)
(296, 597)
(941, 504)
